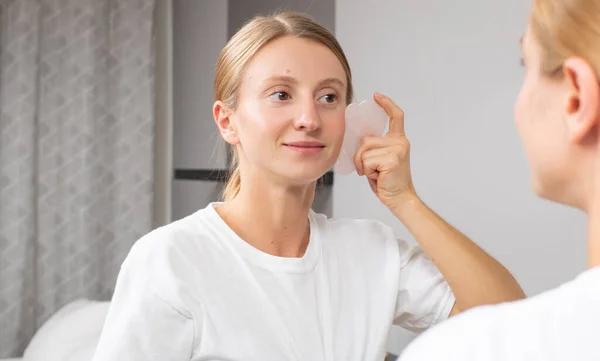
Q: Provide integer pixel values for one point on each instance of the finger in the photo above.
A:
(373, 160)
(373, 185)
(393, 111)
(367, 144)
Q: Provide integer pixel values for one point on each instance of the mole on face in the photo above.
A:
(287, 71)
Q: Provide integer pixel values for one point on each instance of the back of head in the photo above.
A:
(242, 47)
(564, 42)
(564, 29)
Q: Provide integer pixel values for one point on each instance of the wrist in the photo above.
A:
(407, 205)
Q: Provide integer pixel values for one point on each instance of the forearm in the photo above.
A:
(474, 276)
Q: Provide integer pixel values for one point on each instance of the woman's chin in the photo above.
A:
(556, 191)
(539, 188)
(301, 177)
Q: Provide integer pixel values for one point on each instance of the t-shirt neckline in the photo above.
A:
(262, 259)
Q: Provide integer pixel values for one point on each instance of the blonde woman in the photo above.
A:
(261, 276)
(558, 118)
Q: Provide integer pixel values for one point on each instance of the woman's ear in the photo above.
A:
(583, 105)
(222, 115)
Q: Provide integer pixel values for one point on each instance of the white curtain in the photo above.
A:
(76, 152)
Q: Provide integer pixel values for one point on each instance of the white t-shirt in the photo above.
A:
(559, 325)
(194, 290)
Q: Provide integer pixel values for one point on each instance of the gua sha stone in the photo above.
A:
(364, 119)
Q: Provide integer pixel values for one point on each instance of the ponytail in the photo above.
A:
(232, 188)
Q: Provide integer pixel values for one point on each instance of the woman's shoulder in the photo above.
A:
(499, 330)
(346, 223)
(172, 243)
(356, 230)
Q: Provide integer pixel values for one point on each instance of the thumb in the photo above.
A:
(394, 112)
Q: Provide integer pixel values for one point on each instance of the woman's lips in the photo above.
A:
(305, 147)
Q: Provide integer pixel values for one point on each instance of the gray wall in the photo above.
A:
(163, 111)
(454, 68)
(199, 34)
(241, 10)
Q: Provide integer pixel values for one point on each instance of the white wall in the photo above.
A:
(454, 68)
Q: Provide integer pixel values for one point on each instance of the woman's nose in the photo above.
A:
(309, 119)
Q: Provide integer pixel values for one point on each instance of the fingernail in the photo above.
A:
(379, 96)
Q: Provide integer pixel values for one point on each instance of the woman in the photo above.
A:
(261, 276)
(558, 118)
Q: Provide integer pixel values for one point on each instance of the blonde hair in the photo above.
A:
(242, 47)
(566, 28)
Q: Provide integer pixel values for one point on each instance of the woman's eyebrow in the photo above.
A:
(331, 81)
(291, 80)
(281, 79)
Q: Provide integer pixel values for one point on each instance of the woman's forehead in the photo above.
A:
(295, 60)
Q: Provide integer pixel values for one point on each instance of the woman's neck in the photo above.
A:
(270, 217)
(594, 231)
(592, 208)
(584, 194)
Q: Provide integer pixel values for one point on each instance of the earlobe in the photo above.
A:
(583, 104)
(222, 116)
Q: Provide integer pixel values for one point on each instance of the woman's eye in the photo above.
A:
(329, 98)
(280, 96)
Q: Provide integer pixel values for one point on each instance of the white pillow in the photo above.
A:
(72, 330)
(85, 352)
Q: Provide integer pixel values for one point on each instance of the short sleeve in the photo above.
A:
(424, 296)
(142, 325)
(559, 324)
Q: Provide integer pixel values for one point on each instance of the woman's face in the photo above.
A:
(290, 118)
(539, 116)
(557, 118)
